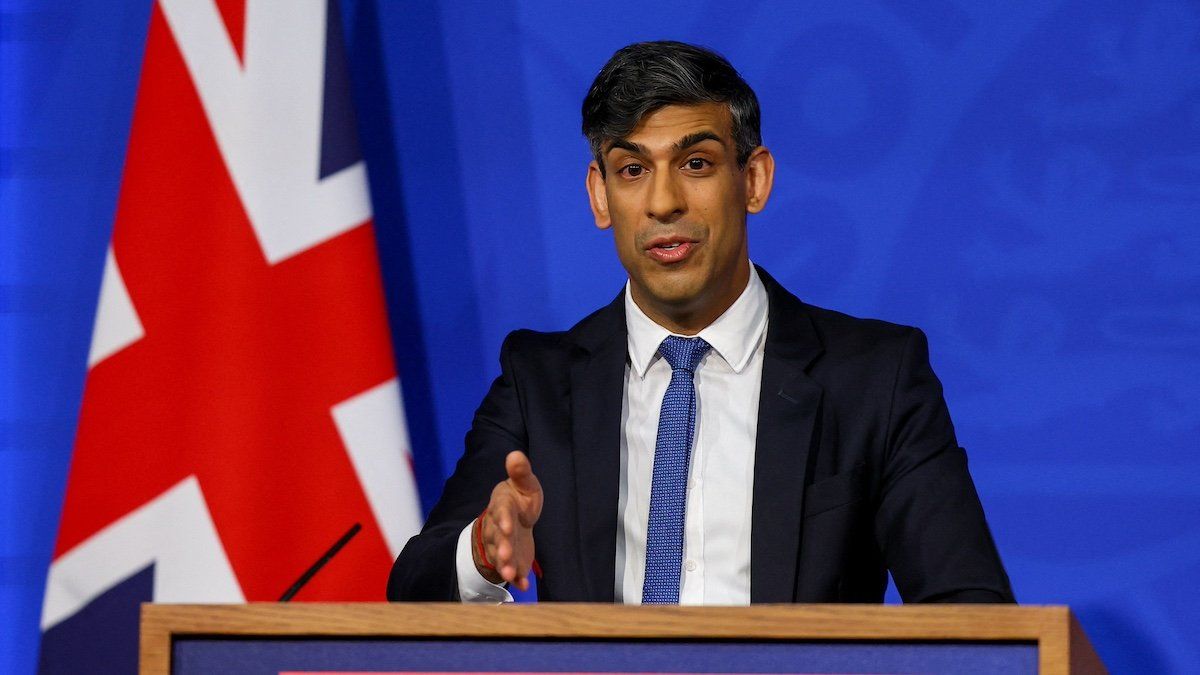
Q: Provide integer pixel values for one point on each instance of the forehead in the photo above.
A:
(670, 123)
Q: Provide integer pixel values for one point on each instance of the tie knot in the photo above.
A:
(683, 353)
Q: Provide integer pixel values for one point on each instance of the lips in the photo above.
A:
(670, 249)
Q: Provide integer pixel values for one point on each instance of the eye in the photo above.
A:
(632, 170)
(697, 164)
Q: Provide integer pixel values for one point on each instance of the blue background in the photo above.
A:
(1020, 179)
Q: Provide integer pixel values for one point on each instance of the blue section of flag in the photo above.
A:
(103, 636)
(339, 138)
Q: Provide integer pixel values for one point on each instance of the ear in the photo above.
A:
(598, 196)
(760, 176)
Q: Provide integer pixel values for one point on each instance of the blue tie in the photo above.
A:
(672, 454)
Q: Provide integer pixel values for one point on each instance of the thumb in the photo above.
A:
(520, 473)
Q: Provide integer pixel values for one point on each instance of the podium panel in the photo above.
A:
(448, 639)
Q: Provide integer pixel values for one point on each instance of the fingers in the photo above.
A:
(522, 582)
(510, 553)
(505, 564)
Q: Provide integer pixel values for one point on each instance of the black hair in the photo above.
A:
(646, 76)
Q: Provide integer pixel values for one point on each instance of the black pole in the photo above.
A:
(310, 572)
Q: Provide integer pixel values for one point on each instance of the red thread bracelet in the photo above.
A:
(479, 541)
(537, 569)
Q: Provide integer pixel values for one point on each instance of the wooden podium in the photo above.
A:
(447, 638)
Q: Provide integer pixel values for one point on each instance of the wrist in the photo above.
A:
(479, 553)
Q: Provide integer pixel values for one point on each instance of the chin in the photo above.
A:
(678, 292)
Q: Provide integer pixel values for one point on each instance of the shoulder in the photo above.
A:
(829, 336)
(542, 349)
(591, 333)
(530, 353)
(846, 336)
(865, 363)
(526, 341)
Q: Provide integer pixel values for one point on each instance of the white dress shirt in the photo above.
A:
(716, 555)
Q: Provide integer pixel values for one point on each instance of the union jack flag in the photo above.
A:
(241, 408)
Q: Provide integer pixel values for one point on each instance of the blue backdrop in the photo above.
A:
(1020, 179)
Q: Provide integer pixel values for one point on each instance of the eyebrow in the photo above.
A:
(682, 144)
(622, 144)
(698, 137)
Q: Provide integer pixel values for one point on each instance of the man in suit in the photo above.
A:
(707, 437)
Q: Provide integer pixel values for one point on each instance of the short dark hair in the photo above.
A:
(645, 76)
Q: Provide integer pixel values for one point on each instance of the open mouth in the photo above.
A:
(668, 250)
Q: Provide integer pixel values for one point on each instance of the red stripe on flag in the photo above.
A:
(233, 14)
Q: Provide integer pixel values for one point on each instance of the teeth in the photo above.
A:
(671, 246)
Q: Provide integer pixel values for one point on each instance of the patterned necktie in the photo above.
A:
(672, 454)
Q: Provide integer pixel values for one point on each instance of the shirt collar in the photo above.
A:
(734, 335)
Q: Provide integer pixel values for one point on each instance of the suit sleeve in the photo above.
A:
(425, 569)
(930, 524)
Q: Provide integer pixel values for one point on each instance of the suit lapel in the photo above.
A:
(789, 403)
(597, 387)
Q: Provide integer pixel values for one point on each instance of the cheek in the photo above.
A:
(625, 240)
(728, 240)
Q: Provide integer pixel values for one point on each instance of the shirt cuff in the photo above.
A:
(472, 587)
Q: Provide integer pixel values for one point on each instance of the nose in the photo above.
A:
(666, 200)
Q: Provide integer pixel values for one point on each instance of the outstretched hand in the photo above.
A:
(506, 528)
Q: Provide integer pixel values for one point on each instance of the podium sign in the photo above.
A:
(428, 638)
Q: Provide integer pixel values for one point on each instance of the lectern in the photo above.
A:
(579, 638)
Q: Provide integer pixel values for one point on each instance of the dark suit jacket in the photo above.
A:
(856, 471)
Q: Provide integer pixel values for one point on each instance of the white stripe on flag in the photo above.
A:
(266, 116)
(117, 324)
(173, 531)
(373, 430)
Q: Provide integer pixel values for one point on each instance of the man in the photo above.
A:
(706, 437)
